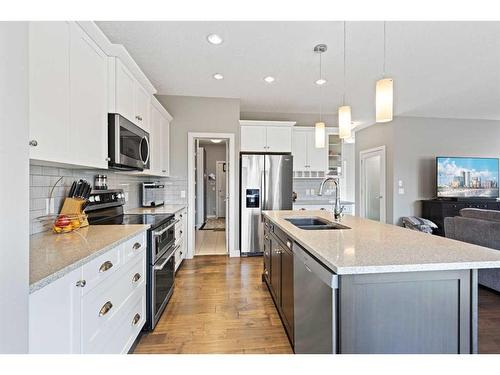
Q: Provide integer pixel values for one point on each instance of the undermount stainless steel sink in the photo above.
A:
(315, 223)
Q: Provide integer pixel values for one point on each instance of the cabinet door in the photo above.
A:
(165, 147)
(88, 101)
(125, 91)
(299, 149)
(276, 269)
(279, 138)
(316, 157)
(142, 104)
(253, 138)
(55, 316)
(49, 90)
(287, 289)
(155, 137)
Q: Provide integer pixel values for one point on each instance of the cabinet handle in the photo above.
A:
(289, 244)
(33, 143)
(136, 319)
(164, 171)
(105, 266)
(136, 277)
(81, 283)
(137, 246)
(180, 232)
(108, 159)
(105, 308)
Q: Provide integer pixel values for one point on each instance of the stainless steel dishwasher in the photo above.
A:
(315, 305)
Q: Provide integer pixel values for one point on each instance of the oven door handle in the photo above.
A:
(156, 234)
(162, 266)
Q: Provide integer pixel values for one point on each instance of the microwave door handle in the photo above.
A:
(165, 229)
(140, 154)
(162, 266)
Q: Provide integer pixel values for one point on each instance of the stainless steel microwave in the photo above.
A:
(128, 144)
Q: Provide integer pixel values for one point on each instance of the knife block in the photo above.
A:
(74, 207)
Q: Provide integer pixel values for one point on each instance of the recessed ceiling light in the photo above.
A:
(269, 79)
(216, 140)
(214, 39)
(218, 76)
(321, 82)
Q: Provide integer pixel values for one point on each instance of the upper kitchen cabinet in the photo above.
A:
(160, 140)
(131, 100)
(306, 156)
(68, 95)
(49, 90)
(88, 101)
(266, 136)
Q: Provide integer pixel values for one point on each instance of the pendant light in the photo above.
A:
(384, 98)
(319, 127)
(344, 110)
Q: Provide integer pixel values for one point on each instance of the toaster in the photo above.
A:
(153, 194)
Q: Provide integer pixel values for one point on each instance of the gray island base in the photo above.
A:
(373, 288)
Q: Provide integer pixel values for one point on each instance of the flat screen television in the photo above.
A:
(462, 177)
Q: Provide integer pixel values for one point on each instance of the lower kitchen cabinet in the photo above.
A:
(99, 307)
(278, 274)
(180, 237)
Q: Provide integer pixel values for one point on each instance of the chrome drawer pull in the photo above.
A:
(136, 319)
(105, 266)
(136, 277)
(105, 308)
(81, 283)
(137, 246)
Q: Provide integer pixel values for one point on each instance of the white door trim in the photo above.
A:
(217, 186)
(383, 202)
(231, 219)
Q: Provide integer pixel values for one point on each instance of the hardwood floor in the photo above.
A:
(210, 242)
(220, 305)
(489, 322)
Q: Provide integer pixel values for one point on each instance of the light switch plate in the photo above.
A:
(401, 191)
(183, 193)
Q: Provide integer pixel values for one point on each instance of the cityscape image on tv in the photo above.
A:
(467, 177)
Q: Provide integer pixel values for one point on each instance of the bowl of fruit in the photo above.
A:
(65, 223)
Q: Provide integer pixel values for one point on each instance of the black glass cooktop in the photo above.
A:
(153, 220)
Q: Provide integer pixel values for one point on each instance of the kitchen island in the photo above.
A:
(389, 289)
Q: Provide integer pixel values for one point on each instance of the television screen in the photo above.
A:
(459, 177)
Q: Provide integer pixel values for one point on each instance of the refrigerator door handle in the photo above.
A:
(261, 195)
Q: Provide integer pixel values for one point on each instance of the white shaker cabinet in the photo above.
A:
(49, 90)
(307, 157)
(55, 316)
(88, 101)
(132, 101)
(165, 147)
(68, 95)
(266, 136)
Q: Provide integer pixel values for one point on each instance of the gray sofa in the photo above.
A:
(479, 227)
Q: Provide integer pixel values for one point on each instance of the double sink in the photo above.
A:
(315, 223)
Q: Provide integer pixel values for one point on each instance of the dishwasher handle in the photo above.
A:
(312, 265)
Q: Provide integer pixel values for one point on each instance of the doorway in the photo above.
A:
(210, 184)
(372, 184)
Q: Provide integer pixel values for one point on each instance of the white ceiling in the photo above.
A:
(440, 69)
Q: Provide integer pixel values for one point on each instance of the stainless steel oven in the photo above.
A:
(128, 144)
(161, 270)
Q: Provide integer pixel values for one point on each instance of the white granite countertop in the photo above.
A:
(373, 247)
(165, 209)
(54, 255)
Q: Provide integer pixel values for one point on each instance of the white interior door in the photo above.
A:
(200, 186)
(220, 186)
(372, 184)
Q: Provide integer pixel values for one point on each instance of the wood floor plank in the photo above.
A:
(221, 306)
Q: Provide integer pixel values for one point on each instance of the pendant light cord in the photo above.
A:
(383, 68)
(343, 95)
(321, 88)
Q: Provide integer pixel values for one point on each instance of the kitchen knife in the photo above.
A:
(79, 189)
(72, 189)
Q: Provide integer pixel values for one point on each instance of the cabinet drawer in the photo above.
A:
(102, 307)
(101, 268)
(134, 246)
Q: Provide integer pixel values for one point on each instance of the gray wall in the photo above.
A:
(213, 153)
(375, 136)
(412, 146)
(197, 114)
(14, 164)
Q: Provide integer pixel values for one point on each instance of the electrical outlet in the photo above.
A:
(183, 193)
(126, 197)
(49, 206)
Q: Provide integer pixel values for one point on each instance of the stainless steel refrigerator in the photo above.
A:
(266, 184)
